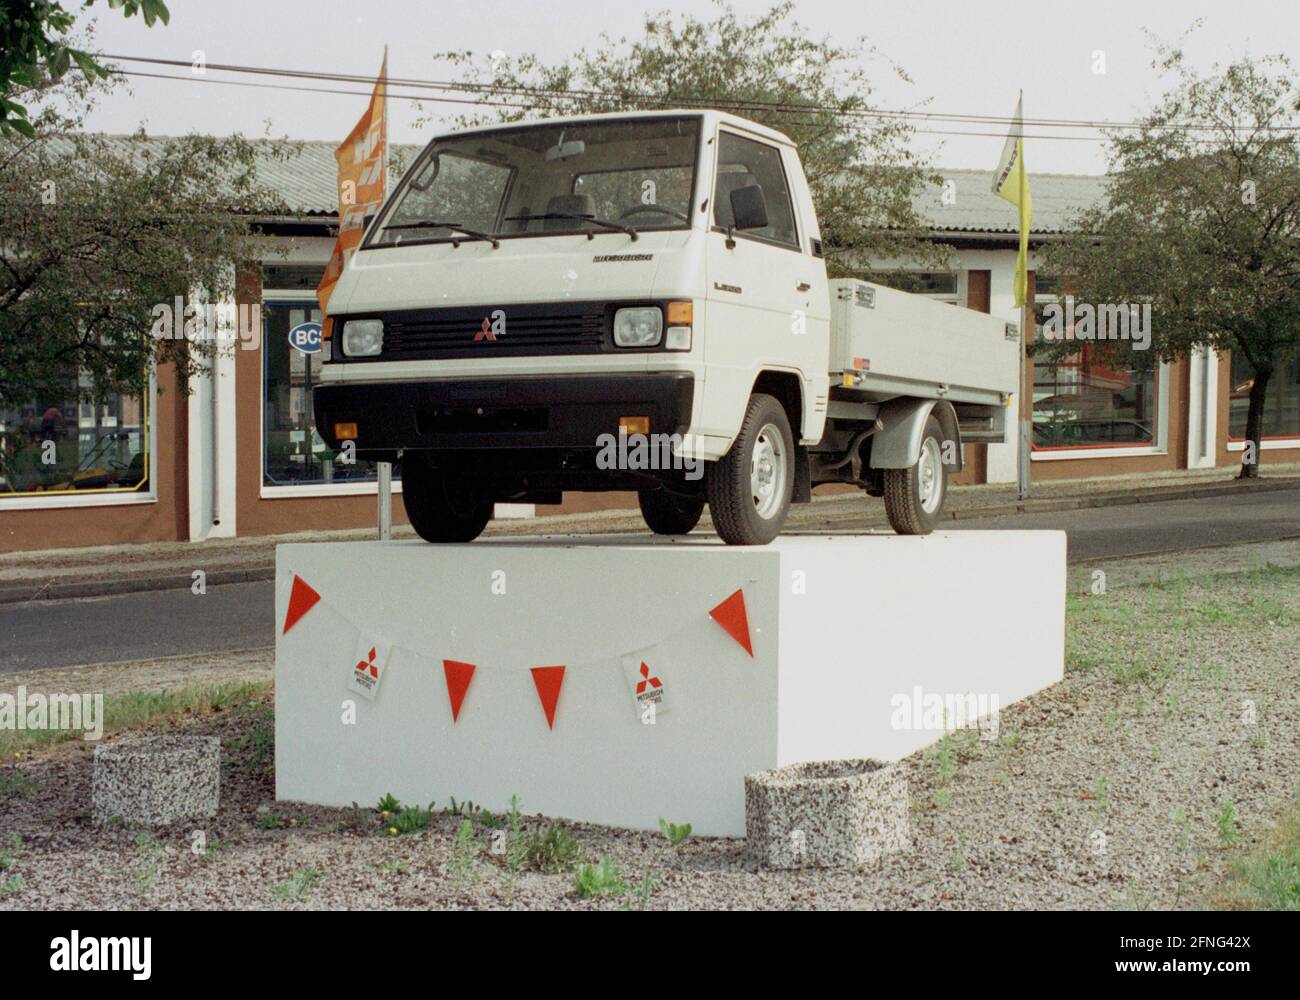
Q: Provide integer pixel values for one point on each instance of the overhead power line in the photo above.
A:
(489, 96)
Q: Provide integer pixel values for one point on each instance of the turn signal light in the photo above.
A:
(679, 314)
(345, 432)
(633, 425)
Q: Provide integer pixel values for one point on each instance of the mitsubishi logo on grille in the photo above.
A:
(494, 326)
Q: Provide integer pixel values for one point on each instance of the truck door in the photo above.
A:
(758, 289)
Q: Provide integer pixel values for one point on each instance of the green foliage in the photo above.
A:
(103, 233)
(34, 48)
(676, 834)
(463, 852)
(14, 782)
(388, 804)
(767, 68)
(551, 850)
(600, 879)
(410, 819)
(9, 855)
(1225, 823)
(299, 884)
(269, 821)
(1203, 224)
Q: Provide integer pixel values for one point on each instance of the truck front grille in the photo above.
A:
(569, 328)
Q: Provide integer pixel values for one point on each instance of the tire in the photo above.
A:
(749, 488)
(914, 496)
(442, 509)
(668, 514)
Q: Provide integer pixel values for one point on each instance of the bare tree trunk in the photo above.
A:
(1254, 423)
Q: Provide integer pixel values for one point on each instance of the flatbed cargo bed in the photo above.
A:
(886, 343)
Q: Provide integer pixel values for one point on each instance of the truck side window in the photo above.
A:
(742, 162)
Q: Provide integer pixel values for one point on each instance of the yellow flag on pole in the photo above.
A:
(362, 160)
(1011, 183)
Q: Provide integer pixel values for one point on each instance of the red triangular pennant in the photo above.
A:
(730, 614)
(458, 678)
(548, 681)
(302, 598)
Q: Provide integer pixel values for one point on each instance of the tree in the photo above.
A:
(34, 49)
(1203, 222)
(100, 235)
(863, 174)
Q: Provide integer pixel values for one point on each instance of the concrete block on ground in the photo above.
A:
(826, 814)
(158, 780)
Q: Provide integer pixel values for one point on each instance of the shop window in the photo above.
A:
(1281, 400)
(292, 451)
(1094, 399)
(942, 286)
(80, 442)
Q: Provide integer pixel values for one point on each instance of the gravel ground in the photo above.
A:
(1101, 793)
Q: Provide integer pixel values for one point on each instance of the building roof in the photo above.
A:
(972, 207)
(306, 181)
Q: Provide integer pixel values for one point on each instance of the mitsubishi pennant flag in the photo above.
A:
(362, 160)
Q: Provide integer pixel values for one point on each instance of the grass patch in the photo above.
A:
(552, 850)
(1269, 877)
(136, 709)
(600, 879)
(299, 884)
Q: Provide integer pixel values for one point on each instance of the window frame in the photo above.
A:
(102, 497)
(724, 129)
(283, 491)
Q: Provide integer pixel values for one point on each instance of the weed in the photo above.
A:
(388, 804)
(9, 855)
(676, 834)
(299, 884)
(643, 890)
(461, 866)
(1226, 824)
(269, 821)
(149, 864)
(600, 879)
(410, 819)
(551, 850)
(14, 883)
(15, 783)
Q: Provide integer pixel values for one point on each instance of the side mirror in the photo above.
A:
(749, 208)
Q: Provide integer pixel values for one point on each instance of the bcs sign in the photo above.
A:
(305, 337)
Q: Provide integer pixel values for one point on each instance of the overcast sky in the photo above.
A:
(964, 57)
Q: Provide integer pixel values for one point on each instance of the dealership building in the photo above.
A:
(239, 455)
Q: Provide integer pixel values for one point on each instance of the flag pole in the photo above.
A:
(384, 470)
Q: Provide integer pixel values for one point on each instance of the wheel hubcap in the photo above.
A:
(767, 472)
(929, 476)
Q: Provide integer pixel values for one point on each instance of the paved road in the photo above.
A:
(239, 616)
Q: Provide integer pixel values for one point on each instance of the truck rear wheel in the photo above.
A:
(442, 508)
(914, 496)
(749, 488)
(668, 514)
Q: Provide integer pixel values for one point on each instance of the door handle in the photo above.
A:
(803, 286)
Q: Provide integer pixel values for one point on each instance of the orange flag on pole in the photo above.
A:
(362, 159)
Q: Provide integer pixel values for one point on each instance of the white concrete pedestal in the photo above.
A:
(861, 646)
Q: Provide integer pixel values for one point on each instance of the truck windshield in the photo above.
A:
(612, 176)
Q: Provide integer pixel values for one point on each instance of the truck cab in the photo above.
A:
(631, 301)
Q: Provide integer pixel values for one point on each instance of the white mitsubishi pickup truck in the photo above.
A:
(640, 302)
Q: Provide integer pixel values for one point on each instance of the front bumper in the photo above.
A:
(527, 411)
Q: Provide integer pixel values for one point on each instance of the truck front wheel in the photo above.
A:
(668, 514)
(914, 496)
(442, 508)
(749, 488)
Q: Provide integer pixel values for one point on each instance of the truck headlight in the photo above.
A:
(638, 327)
(363, 338)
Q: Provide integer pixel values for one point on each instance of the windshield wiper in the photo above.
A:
(579, 217)
(453, 226)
